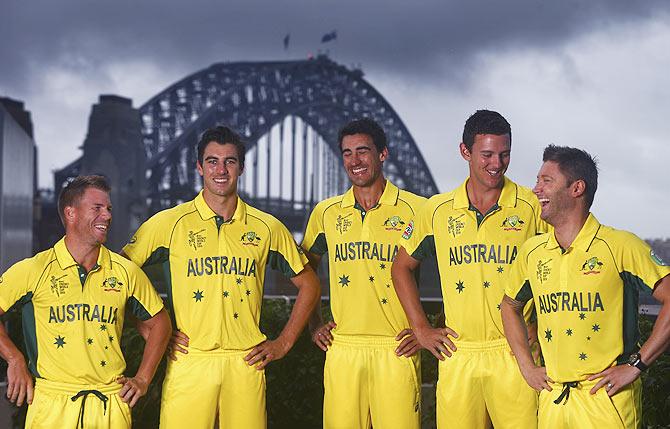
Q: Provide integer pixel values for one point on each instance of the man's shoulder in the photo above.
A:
(439, 200)
(415, 201)
(33, 263)
(173, 214)
(323, 205)
(616, 237)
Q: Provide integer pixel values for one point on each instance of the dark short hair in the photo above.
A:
(221, 135)
(575, 164)
(73, 191)
(485, 122)
(365, 126)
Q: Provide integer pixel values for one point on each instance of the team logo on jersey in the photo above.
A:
(591, 266)
(543, 270)
(342, 224)
(409, 229)
(394, 223)
(512, 223)
(653, 255)
(455, 226)
(112, 284)
(250, 239)
(196, 239)
(58, 285)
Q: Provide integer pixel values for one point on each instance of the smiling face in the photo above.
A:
(220, 170)
(554, 192)
(89, 218)
(488, 159)
(362, 161)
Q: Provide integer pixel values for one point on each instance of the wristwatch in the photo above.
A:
(636, 360)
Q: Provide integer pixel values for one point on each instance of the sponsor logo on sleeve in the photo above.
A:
(409, 229)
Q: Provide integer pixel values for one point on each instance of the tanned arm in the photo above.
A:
(309, 292)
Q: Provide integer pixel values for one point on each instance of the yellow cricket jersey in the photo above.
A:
(215, 269)
(586, 296)
(73, 320)
(474, 252)
(361, 247)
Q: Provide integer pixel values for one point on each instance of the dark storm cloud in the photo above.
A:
(421, 38)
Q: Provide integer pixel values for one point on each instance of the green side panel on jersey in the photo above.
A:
(632, 285)
(276, 261)
(320, 245)
(29, 331)
(425, 249)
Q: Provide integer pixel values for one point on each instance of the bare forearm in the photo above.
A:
(515, 331)
(659, 339)
(305, 306)
(8, 349)
(159, 333)
(408, 293)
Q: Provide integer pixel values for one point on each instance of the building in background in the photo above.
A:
(18, 183)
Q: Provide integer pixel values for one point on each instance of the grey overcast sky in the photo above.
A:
(587, 73)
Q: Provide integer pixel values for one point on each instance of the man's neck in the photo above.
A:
(369, 196)
(83, 254)
(482, 198)
(567, 227)
(223, 206)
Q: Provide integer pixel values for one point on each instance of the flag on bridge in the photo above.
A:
(329, 36)
(287, 39)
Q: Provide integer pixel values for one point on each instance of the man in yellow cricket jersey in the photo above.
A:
(585, 280)
(214, 250)
(73, 298)
(475, 231)
(371, 375)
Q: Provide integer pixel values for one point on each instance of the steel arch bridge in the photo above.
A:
(289, 114)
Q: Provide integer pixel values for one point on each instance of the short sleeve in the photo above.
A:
(315, 236)
(17, 283)
(638, 264)
(418, 238)
(144, 301)
(285, 255)
(150, 243)
(518, 284)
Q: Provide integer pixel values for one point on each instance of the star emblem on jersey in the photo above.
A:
(547, 335)
(248, 292)
(455, 226)
(60, 342)
(250, 238)
(344, 281)
(543, 270)
(500, 269)
(460, 286)
(226, 294)
(342, 224)
(103, 327)
(89, 341)
(371, 278)
(512, 223)
(111, 338)
(591, 266)
(583, 356)
(582, 316)
(487, 285)
(382, 266)
(596, 328)
(112, 284)
(394, 223)
(58, 286)
(238, 280)
(196, 239)
(568, 332)
(198, 295)
(384, 301)
(235, 315)
(103, 363)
